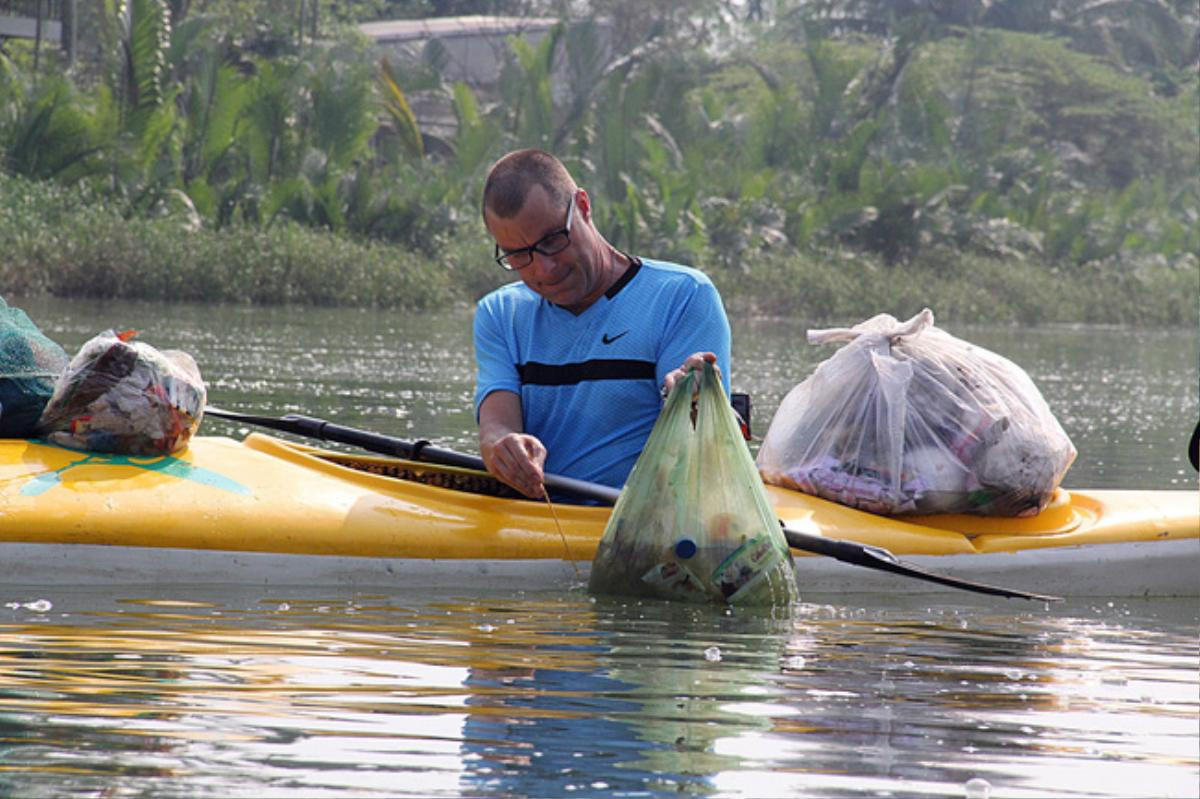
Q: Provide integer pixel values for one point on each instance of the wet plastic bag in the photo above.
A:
(29, 364)
(126, 397)
(693, 522)
(906, 418)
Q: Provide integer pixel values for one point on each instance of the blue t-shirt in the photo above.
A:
(589, 383)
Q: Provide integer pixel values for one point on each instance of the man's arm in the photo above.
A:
(700, 332)
(509, 453)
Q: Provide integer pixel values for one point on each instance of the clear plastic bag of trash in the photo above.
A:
(905, 418)
(693, 522)
(29, 364)
(125, 397)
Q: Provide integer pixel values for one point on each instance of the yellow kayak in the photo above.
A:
(270, 512)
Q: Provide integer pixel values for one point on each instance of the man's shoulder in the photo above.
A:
(674, 273)
(510, 295)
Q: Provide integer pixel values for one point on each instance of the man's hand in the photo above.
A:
(513, 456)
(517, 459)
(694, 361)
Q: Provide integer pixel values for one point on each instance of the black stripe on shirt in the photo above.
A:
(569, 374)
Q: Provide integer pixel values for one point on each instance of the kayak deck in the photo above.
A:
(257, 510)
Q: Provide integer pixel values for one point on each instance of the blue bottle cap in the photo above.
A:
(685, 548)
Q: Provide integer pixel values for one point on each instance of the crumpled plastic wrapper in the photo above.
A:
(125, 397)
(908, 419)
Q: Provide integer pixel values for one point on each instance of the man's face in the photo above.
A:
(570, 278)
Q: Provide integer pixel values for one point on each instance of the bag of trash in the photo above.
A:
(125, 397)
(905, 418)
(29, 364)
(693, 521)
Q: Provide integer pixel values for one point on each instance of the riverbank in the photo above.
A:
(62, 243)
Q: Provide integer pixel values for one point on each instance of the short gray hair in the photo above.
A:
(510, 179)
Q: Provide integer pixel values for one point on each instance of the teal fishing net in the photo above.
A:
(29, 364)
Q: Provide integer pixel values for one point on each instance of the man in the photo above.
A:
(571, 359)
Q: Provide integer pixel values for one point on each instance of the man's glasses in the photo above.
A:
(550, 244)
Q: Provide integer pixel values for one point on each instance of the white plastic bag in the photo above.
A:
(126, 397)
(906, 418)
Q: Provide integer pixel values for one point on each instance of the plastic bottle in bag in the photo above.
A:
(694, 522)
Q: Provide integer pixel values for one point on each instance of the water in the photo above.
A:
(561, 695)
(1128, 398)
(190, 692)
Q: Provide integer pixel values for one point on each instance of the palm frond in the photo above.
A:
(396, 105)
(145, 49)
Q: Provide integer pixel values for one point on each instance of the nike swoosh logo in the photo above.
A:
(606, 340)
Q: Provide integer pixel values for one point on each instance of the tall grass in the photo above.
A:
(848, 286)
(67, 243)
(62, 242)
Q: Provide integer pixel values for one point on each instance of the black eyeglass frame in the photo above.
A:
(504, 259)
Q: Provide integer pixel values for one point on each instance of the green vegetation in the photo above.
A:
(1010, 161)
(57, 241)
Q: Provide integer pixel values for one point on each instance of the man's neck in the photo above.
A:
(615, 267)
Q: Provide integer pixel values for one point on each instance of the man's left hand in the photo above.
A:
(694, 361)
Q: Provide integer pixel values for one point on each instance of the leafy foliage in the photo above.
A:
(908, 136)
(47, 130)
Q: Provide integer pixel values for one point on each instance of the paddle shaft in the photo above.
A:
(324, 430)
(882, 560)
(845, 551)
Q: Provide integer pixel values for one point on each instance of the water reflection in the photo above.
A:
(556, 694)
(551, 731)
(632, 702)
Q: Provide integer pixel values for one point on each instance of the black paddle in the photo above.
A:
(311, 427)
(846, 551)
(1194, 448)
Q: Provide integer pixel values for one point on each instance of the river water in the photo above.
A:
(195, 692)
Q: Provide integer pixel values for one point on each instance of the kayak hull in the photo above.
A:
(1134, 569)
(267, 512)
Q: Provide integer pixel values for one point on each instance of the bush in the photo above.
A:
(67, 243)
(847, 287)
(58, 241)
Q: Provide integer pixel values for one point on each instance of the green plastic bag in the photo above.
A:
(693, 522)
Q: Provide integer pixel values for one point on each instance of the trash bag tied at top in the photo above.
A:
(905, 418)
(125, 397)
(693, 522)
